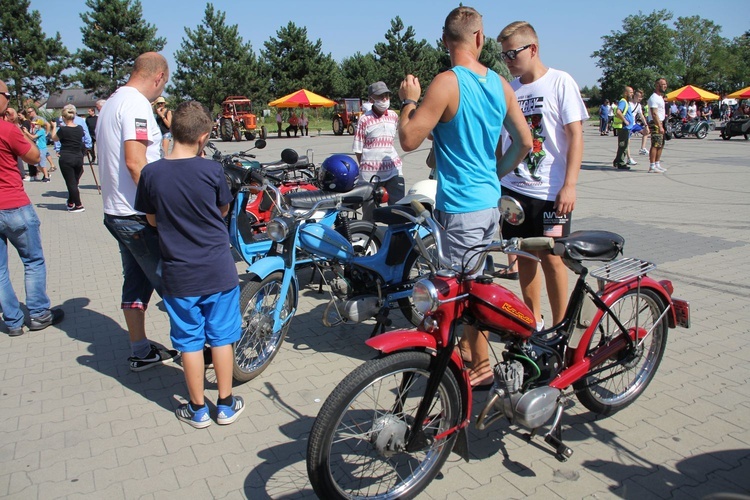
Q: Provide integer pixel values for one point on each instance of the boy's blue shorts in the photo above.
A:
(208, 319)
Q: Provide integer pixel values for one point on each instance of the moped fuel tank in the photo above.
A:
(324, 241)
(499, 308)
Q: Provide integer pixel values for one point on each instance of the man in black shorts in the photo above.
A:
(545, 181)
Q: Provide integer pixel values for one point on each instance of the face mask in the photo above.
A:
(382, 105)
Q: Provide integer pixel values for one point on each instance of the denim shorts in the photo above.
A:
(209, 319)
(141, 258)
(467, 233)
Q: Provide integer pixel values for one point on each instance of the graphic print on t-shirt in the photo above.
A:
(141, 129)
(531, 108)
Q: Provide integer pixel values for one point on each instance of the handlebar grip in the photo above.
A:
(257, 176)
(419, 208)
(538, 243)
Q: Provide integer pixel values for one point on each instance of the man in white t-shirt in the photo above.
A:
(656, 108)
(129, 138)
(545, 182)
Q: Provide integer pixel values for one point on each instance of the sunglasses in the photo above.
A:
(6, 94)
(510, 55)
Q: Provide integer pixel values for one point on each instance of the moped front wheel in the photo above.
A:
(260, 342)
(357, 443)
(616, 387)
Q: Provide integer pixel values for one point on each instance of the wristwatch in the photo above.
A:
(408, 101)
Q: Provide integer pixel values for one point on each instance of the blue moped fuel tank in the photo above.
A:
(324, 241)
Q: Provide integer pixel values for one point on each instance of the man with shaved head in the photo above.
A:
(129, 138)
(19, 226)
(465, 109)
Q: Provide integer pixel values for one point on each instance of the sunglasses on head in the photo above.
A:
(510, 55)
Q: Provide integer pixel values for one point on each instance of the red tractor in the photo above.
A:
(346, 114)
(237, 120)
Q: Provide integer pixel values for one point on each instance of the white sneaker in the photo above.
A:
(660, 168)
(632, 162)
(656, 170)
(643, 151)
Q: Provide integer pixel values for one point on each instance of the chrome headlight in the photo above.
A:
(277, 229)
(425, 296)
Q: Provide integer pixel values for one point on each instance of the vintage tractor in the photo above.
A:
(237, 120)
(346, 114)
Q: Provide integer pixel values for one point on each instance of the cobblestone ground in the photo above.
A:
(79, 424)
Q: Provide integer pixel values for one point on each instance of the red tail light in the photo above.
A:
(667, 286)
(380, 195)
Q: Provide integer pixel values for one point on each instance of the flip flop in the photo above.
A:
(506, 275)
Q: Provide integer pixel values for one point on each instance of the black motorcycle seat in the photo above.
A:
(387, 216)
(589, 245)
(306, 199)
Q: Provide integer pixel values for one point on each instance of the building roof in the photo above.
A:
(78, 97)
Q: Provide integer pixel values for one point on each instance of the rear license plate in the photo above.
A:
(682, 310)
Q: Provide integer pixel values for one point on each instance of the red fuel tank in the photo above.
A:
(500, 309)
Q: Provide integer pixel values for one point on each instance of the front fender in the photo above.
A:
(399, 340)
(267, 265)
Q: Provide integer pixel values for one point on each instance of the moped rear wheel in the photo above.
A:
(356, 446)
(416, 267)
(363, 235)
(616, 387)
(259, 342)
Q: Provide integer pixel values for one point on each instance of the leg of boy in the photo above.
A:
(192, 364)
(223, 358)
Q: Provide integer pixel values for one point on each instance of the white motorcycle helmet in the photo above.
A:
(422, 191)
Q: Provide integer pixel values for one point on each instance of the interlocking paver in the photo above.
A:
(79, 424)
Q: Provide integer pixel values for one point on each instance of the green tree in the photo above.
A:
(401, 54)
(738, 51)
(114, 34)
(637, 55)
(490, 57)
(696, 39)
(358, 71)
(293, 62)
(213, 62)
(31, 64)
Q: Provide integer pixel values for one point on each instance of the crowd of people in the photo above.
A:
(523, 138)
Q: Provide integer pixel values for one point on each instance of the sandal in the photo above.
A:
(482, 382)
(506, 274)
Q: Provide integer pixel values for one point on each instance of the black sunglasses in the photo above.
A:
(510, 55)
(6, 94)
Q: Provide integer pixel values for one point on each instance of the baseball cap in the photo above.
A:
(378, 88)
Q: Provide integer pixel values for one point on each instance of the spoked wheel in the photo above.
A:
(356, 447)
(618, 386)
(416, 267)
(259, 343)
(702, 132)
(364, 236)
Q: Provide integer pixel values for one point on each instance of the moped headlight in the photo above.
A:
(424, 295)
(277, 229)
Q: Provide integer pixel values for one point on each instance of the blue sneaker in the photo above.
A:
(198, 419)
(227, 414)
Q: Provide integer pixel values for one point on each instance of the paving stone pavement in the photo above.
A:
(78, 424)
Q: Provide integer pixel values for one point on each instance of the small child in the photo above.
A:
(186, 198)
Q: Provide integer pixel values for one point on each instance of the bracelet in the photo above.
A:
(408, 101)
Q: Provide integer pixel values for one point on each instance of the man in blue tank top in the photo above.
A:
(466, 109)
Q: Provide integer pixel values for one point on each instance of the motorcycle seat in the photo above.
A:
(386, 215)
(589, 245)
(306, 199)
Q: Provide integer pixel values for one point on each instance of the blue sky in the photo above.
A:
(569, 31)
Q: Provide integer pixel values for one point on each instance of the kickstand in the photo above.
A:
(554, 437)
(381, 321)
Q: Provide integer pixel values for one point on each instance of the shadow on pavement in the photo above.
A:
(109, 348)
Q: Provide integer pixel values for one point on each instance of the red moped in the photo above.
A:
(387, 428)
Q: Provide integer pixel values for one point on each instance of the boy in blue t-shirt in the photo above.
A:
(186, 197)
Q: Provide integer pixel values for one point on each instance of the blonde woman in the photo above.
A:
(70, 135)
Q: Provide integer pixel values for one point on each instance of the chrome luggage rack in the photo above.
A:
(623, 270)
